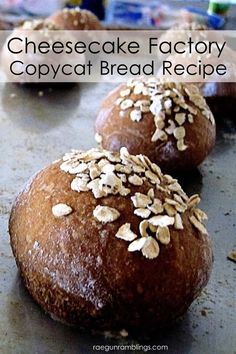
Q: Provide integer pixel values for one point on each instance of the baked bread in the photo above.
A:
(40, 30)
(38, 24)
(7, 57)
(182, 31)
(189, 26)
(168, 122)
(220, 96)
(106, 241)
(75, 19)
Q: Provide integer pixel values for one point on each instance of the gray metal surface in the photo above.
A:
(35, 130)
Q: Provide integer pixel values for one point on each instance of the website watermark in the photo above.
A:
(130, 347)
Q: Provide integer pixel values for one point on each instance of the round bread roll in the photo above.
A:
(169, 122)
(37, 24)
(182, 31)
(189, 26)
(75, 19)
(106, 241)
(39, 30)
(8, 57)
(220, 97)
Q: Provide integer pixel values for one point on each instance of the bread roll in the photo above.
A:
(37, 32)
(75, 19)
(220, 97)
(169, 122)
(106, 241)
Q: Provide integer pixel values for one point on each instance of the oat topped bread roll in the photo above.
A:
(179, 31)
(169, 122)
(189, 26)
(26, 62)
(106, 240)
(38, 24)
(220, 97)
(75, 19)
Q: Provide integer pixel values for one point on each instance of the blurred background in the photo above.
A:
(128, 13)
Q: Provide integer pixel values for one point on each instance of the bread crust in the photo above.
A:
(119, 131)
(75, 19)
(80, 273)
(220, 97)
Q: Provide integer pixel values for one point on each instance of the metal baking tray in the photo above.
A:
(39, 124)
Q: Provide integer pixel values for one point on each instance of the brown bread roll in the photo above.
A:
(106, 241)
(220, 97)
(75, 19)
(168, 122)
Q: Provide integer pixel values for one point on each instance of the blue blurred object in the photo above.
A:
(134, 13)
(154, 13)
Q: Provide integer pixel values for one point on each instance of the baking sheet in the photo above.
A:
(37, 125)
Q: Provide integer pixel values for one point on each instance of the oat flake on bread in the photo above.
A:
(161, 99)
(105, 174)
